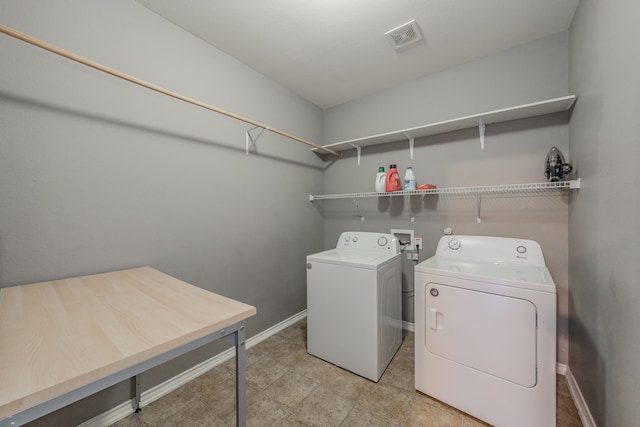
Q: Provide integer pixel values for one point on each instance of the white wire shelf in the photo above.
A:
(485, 190)
(533, 109)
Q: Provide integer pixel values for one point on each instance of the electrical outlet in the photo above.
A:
(417, 243)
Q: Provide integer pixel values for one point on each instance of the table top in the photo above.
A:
(59, 335)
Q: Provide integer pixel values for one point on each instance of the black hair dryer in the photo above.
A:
(555, 168)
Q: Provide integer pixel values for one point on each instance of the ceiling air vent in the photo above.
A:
(404, 35)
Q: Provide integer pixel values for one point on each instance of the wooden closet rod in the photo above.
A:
(58, 51)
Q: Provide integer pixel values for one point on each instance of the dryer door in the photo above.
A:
(492, 333)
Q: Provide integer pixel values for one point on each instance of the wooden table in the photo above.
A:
(63, 340)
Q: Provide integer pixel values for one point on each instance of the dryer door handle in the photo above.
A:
(434, 318)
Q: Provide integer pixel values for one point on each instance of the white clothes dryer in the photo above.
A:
(485, 330)
(354, 303)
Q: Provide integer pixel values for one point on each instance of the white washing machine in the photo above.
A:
(354, 303)
(485, 330)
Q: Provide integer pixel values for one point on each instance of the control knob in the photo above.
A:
(454, 244)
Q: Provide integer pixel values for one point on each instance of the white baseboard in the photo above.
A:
(578, 399)
(561, 368)
(127, 408)
(408, 326)
(275, 329)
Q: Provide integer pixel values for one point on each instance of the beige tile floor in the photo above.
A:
(288, 387)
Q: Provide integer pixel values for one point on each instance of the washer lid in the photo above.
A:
(522, 276)
(361, 259)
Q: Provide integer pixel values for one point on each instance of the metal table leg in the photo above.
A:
(241, 385)
(138, 394)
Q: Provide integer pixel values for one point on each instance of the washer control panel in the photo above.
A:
(496, 250)
(368, 241)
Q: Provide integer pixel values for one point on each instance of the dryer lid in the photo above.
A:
(491, 250)
(525, 276)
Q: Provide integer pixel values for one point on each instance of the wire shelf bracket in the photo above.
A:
(411, 143)
(358, 151)
(359, 210)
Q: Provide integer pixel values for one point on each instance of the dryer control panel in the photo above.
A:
(368, 241)
(497, 250)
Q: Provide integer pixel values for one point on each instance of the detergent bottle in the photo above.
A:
(381, 178)
(409, 179)
(393, 179)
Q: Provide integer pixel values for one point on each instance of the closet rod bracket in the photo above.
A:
(252, 146)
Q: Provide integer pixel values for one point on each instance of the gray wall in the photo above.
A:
(514, 153)
(604, 230)
(97, 174)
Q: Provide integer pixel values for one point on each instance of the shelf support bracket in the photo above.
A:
(411, 141)
(478, 207)
(481, 129)
(359, 210)
(359, 151)
(252, 146)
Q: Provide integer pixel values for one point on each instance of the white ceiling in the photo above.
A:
(333, 51)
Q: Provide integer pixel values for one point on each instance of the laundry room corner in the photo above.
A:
(514, 152)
